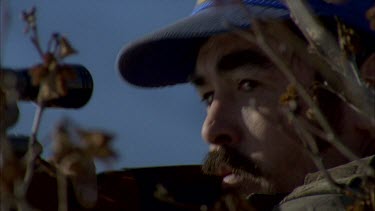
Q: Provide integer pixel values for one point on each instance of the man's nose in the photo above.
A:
(222, 124)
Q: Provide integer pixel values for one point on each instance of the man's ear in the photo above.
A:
(368, 71)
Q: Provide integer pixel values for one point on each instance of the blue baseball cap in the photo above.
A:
(168, 56)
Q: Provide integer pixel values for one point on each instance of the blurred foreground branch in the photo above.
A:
(76, 148)
(343, 75)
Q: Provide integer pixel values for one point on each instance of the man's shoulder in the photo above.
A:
(319, 194)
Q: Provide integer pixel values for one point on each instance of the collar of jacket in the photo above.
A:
(347, 174)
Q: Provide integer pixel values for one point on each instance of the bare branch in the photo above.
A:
(331, 137)
(361, 98)
(311, 146)
(319, 37)
(346, 81)
(62, 193)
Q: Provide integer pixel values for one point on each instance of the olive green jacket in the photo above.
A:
(318, 194)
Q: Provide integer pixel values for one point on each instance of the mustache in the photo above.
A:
(239, 163)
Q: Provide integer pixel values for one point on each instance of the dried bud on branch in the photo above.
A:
(50, 75)
(349, 40)
(74, 153)
(289, 98)
(97, 143)
(66, 49)
(30, 18)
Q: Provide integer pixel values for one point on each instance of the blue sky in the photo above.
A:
(152, 127)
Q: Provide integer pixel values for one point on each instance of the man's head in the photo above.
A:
(241, 88)
(251, 139)
(253, 144)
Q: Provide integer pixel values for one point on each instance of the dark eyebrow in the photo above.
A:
(242, 58)
(234, 60)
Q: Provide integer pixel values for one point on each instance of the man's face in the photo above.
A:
(251, 144)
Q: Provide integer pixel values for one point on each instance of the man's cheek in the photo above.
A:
(255, 123)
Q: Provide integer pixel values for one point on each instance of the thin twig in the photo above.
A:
(37, 46)
(62, 193)
(31, 154)
(311, 146)
(354, 66)
(36, 124)
(35, 40)
(307, 132)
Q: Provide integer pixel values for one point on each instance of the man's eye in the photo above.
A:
(247, 85)
(208, 98)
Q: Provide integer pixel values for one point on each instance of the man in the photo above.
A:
(261, 145)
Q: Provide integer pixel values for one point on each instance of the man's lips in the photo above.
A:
(229, 178)
(223, 170)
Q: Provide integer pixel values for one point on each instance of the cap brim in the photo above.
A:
(168, 56)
